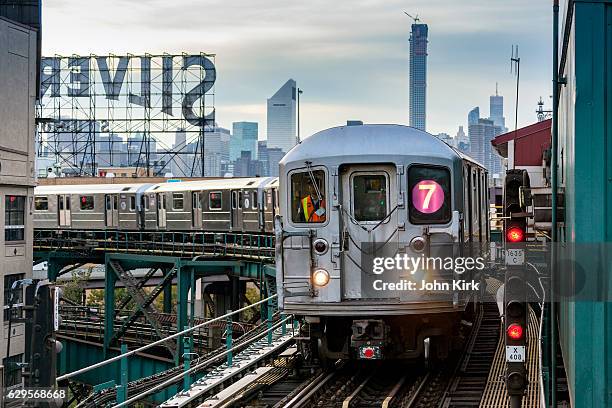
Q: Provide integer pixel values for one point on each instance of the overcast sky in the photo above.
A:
(349, 56)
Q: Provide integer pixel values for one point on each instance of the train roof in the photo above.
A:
(89, 188)
(222, 183)
(376, 140)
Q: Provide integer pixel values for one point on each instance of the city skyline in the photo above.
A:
(345, 73)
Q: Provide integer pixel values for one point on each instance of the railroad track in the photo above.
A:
(457, 382)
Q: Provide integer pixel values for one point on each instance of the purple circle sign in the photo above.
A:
(427, 196)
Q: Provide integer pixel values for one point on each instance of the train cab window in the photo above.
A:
(41, 203)
(177, 201)
(254, 203)
(266, 199)
(234, 200)
(430, 195)
(370, 197)
(214, 200)
(87, 203)
(132, 203)
(240, 198)
(308, 197)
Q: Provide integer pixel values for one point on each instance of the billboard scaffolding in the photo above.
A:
(143, 111)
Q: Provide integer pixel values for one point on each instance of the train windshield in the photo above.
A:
(429, 194)
(370, 197)
(308, 197)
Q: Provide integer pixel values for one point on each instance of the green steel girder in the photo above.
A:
(166, 282)
(58, 260)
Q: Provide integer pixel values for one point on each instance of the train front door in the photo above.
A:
(111, 209)
(367, 203)
(196, 210)
(161, 210)
(63, 209)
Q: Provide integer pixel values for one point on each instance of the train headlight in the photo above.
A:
(320, 246)
(320, 277)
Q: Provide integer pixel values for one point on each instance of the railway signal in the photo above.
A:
(515, 288)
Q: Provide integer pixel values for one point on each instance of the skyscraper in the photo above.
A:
(473, 116)
(480, 135)
(418, 75)
(245, 133)
(496, 110)
(282, 117)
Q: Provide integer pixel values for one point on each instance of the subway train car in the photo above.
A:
(225, 205)
(349, 191)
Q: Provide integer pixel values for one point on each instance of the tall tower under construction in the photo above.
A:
(418, 75)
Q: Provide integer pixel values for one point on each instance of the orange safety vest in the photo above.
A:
(310, 212)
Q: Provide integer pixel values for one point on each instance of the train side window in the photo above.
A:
(370, 201)
(132, 203)
(234, 200)
(177, 201)
(308, 197)
(430, 195)
(215, 200)
(266, 199)
(87, 203)
(254, 203)
(240, 198)
(41, 203)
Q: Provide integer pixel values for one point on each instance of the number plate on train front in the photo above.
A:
(515, 354)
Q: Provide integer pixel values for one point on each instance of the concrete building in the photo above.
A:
(18, 92)
(461, 141)
(262, 156)
(473, 116)
(281, 117)
(496, 110)
(274, 157)
(446, 138)
(244, 139)
(481, 134)
(418, 76)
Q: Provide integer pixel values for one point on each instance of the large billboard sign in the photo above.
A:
(90, 101)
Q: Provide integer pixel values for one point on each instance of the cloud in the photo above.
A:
(349, 56)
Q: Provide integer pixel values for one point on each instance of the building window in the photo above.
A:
(214, 200)
(14, 218)
(17, 295)
(177, 201)
(12, 370)
(87, 203)
(41, 203)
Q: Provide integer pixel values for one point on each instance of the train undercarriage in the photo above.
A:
(430, 336)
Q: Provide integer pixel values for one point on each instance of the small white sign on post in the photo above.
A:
(515, 354)
(515, 257)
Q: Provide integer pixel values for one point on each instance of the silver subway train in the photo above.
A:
(349, 192)
(232, 205)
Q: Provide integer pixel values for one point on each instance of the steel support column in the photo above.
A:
(110, 279)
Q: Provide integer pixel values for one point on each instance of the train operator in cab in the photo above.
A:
(312, 206)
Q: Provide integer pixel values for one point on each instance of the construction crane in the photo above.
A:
(415, 18)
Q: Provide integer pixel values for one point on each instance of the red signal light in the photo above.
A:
(515, 331)
(515, 234)
(368, 352)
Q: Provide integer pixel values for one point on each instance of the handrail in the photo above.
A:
(160, 341)
(195, 368)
